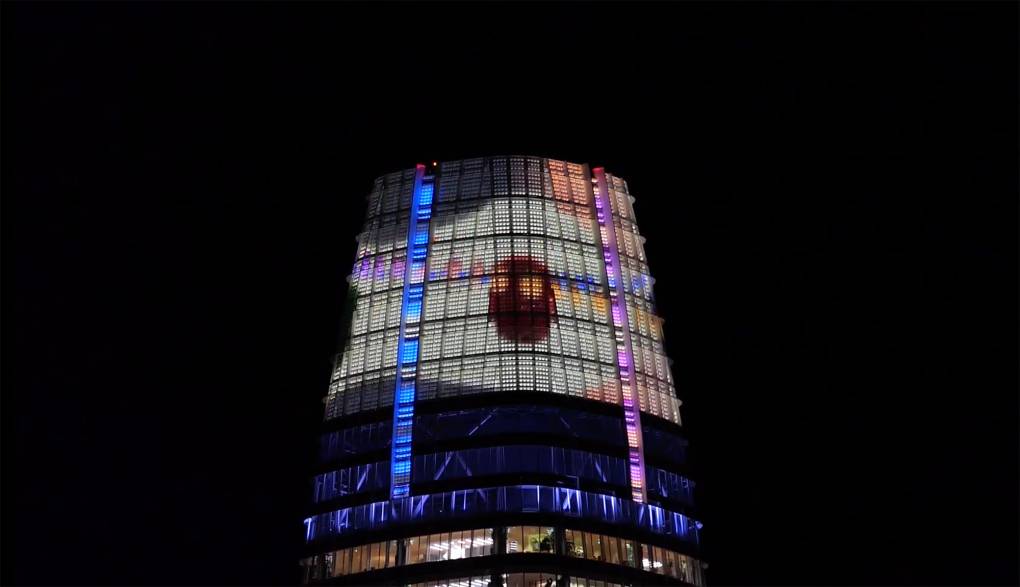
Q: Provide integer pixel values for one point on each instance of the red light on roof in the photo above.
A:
(599, 170)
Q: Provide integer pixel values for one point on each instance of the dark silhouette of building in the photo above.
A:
(502, 411)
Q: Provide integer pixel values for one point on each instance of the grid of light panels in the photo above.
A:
(423, 328)
(485, 210)
(489, 210)
(651, 372)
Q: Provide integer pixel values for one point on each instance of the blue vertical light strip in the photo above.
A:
(410, 323)
(621, 330)
(410, 329)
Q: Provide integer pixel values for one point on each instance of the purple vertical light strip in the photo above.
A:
(410, 328)
(621, 330)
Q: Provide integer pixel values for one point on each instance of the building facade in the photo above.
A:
(502, 411)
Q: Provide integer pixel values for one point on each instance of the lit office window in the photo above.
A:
(530, 539)
(477, 581)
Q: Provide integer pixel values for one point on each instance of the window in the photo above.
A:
(357, 559)
(593, 544)
(573, 546)
(629, 553)
(439, 547)
(381, 555)
(415, 552)
(481, 542)
(530, 539)
(514, 539)
(529, 580)
(478, 581)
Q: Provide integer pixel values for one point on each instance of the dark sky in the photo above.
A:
(829, 193)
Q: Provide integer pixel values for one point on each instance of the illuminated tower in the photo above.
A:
(502, 411)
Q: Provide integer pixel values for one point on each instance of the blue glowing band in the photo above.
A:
(523, 499)
(407, 345)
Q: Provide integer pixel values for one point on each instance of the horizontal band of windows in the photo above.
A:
(527, 195)
(472, 581)
(535, 378)
(537, 570)
(623, 222)
(482, 482)
(654, 559)
(345, 481)
(590, 283)
(384, 268)
(671, 490)
(467, 202)
(534, 372)
(509, 354)
(510, 439)
(448, 418)
(381, 292)
(523, 499)
(383, 236)
(664, 443)
(568, 223)
(514, 377)
(381, 248)
(662, 426)
(538, 358)
(381, 233)
(379, 319)
(519, 418)
(398, 553)
(475, 255)
(566, 574)
(507, 460)
(370, 430)
(341, 476)
(468, 421)
(497, 520)
(392, 214)
(521, 400)
(515, 479)
(359, 417)
(457, 405)
(352, 445)
(358, 499)
(504, 547)
(569, 342)
(497, 465)
(666, 489)
(473, 238)
(375, 212)
(349, 459)
(564, 323)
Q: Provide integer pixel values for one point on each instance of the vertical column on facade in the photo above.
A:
(621, 329)
(410, 329)
(499, 550)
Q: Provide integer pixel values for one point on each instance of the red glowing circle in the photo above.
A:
(521, 299)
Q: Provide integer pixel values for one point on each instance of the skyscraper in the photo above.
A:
(502, 411)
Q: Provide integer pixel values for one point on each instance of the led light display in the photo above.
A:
(407, 350)
(485, 214)
(503, 360)
(621, 331)
(470, 503)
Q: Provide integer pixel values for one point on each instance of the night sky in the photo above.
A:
(829, 193)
